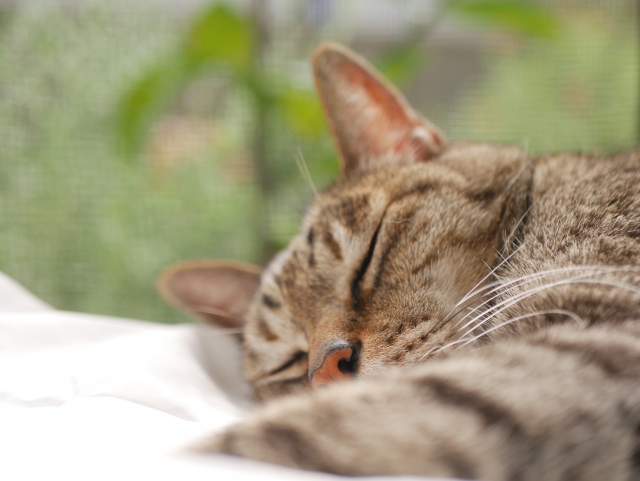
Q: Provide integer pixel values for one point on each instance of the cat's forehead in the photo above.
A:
(336, 224)
(348, 205)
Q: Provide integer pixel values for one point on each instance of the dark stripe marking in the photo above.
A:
(265, 332)
(297, 357)
(592, 354)
(356, 289)
(310, 240)
(450, 394)
(395, 233)
(333, 245)
(290, 442)
(462, 467)
(270, 302)
(635, 457)
(521, 449)
(418, 190)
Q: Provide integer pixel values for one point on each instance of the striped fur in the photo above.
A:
(493, 301)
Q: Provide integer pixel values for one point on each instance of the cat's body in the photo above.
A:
(489, 304)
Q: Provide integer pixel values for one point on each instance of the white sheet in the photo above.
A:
(85, 397)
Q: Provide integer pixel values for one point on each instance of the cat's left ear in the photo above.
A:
(371, 123)
(216, 291)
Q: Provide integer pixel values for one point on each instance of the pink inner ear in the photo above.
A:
(379, 96)
(371, 122)
(389, 129)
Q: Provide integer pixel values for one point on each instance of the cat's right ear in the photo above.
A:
(371, 123)
(216, 291)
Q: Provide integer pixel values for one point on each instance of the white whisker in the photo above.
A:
(514, 300)
(304, 170)
(472, 292)
(513, 231)
(573, 315)
(515, 283)
(515, 178)
(498, 286)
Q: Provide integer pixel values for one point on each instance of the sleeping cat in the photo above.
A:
(474, 312)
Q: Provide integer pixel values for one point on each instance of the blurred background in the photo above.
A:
(138, 133)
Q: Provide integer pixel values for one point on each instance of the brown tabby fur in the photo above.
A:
(492, 301)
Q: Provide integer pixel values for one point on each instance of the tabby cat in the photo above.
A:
(475, 311)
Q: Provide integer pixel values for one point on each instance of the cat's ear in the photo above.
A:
(370, 121)
(215, 291)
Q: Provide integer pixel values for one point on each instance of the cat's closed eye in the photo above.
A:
(356, 289)
(298, 358)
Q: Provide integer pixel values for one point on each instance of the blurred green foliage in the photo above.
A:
(526, 18)
(221, 37)
(593, 67)
(129, 143)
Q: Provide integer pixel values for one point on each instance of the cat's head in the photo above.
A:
(383, 256)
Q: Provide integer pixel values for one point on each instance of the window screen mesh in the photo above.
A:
(88, 223)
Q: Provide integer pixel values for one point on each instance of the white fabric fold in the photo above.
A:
(86, 397)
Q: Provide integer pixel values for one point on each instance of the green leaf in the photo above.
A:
(402, 63)
(219, 35)
(144, 101)
(523, 17)
(301, 109)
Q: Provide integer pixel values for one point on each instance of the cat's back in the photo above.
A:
(591, 204)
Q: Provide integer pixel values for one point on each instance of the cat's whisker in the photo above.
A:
(426, 354)
(577, 280)
(500, 292)
(448, 318)
(497, 289)
(304, 170)
(472, 292)
(478, 321)
(515, 228)
(492, 287)
(496, 285)
(466, 342)
(499, 285)
(523, 280)
(515, 178)
(564, 312)
(515, 283)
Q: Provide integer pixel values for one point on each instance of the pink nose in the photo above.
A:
(335, 363)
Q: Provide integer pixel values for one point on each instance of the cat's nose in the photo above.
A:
(335, 361)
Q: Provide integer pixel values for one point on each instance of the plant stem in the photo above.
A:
(259, 144)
